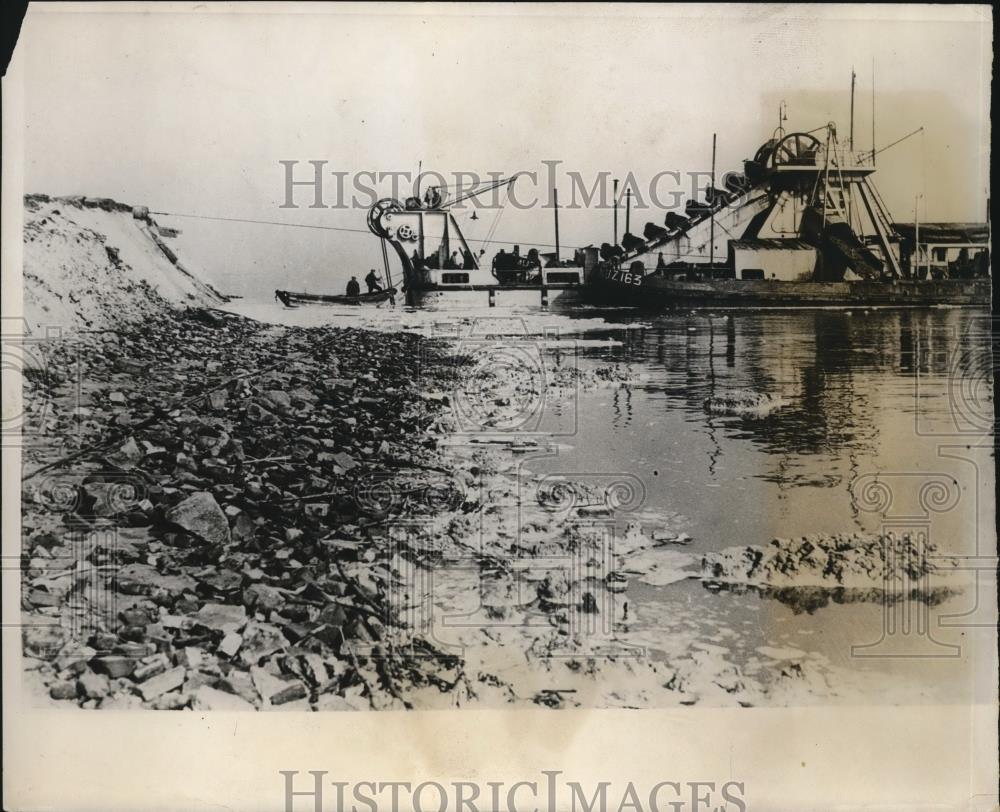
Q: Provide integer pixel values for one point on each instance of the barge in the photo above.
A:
(440, 269)
(802, 226)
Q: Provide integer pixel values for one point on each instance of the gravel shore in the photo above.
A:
(197, 511)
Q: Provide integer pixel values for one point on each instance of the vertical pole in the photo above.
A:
(826, 178)
(916, 238)
(616, 211)
(555, 203)
(711, 238)
(628, 210)
(851, 138)
(445, 244)
(420, 169)
(873, 111)
(851, 158)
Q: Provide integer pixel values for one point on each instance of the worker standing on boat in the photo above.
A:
(372, 280)
(353, 288)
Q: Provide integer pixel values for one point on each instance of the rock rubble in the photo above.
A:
(201, 538)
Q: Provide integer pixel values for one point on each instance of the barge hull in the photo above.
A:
(658, 292)
(462, 297)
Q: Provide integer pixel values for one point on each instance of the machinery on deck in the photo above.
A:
(441, 269)
(803, 224)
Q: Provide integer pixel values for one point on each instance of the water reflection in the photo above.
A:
(809, 599)
(838, 370)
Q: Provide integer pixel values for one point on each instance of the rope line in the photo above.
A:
(488, 240)
(508, 241)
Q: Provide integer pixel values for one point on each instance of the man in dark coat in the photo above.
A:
(353, 288)
(372, 280)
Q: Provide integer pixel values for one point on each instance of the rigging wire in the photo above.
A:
(488, 240)
(329, 228)
(493, 227)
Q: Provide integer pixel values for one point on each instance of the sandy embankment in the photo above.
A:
(92, 263)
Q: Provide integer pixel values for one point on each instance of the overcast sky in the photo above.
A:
(192, 112)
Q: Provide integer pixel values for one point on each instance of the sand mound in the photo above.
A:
(93, 263)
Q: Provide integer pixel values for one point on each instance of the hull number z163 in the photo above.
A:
(623, 277)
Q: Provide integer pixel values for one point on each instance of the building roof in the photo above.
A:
(945, 232)
(771, 245)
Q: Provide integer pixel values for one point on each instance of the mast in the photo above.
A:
(851, 134)
(873, 111)
(711, 226)
(555, 205)
(915, 272)
(850, 148)
(628, 210)
(615, 202)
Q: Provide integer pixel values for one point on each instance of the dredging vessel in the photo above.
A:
(440, 269)
(802, 226)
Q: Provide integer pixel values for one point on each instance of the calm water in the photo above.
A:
(900, 398)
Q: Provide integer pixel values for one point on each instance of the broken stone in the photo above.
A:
(217, 399)
(243, 527)
(261, 640)
(201, 516)
(266, 683)
(174, 700)
(151, 669)
(74, 658)
(134, 616)
(230, 645)
(187, 604)
(42, 597)
(93, 685)
(222, 580)
(263, 597)
(160, 684)
(274, 689)
(213, 699)
(189, 657)
(64, 689)
(43, 637)
(332, 702)
(221, 616)
(240, 684)
(115, 666)
(142, 579)
(196, 679)
(277, 401)
(345, 461)
(291, 692)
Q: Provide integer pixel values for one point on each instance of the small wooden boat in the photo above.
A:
(291, 299)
